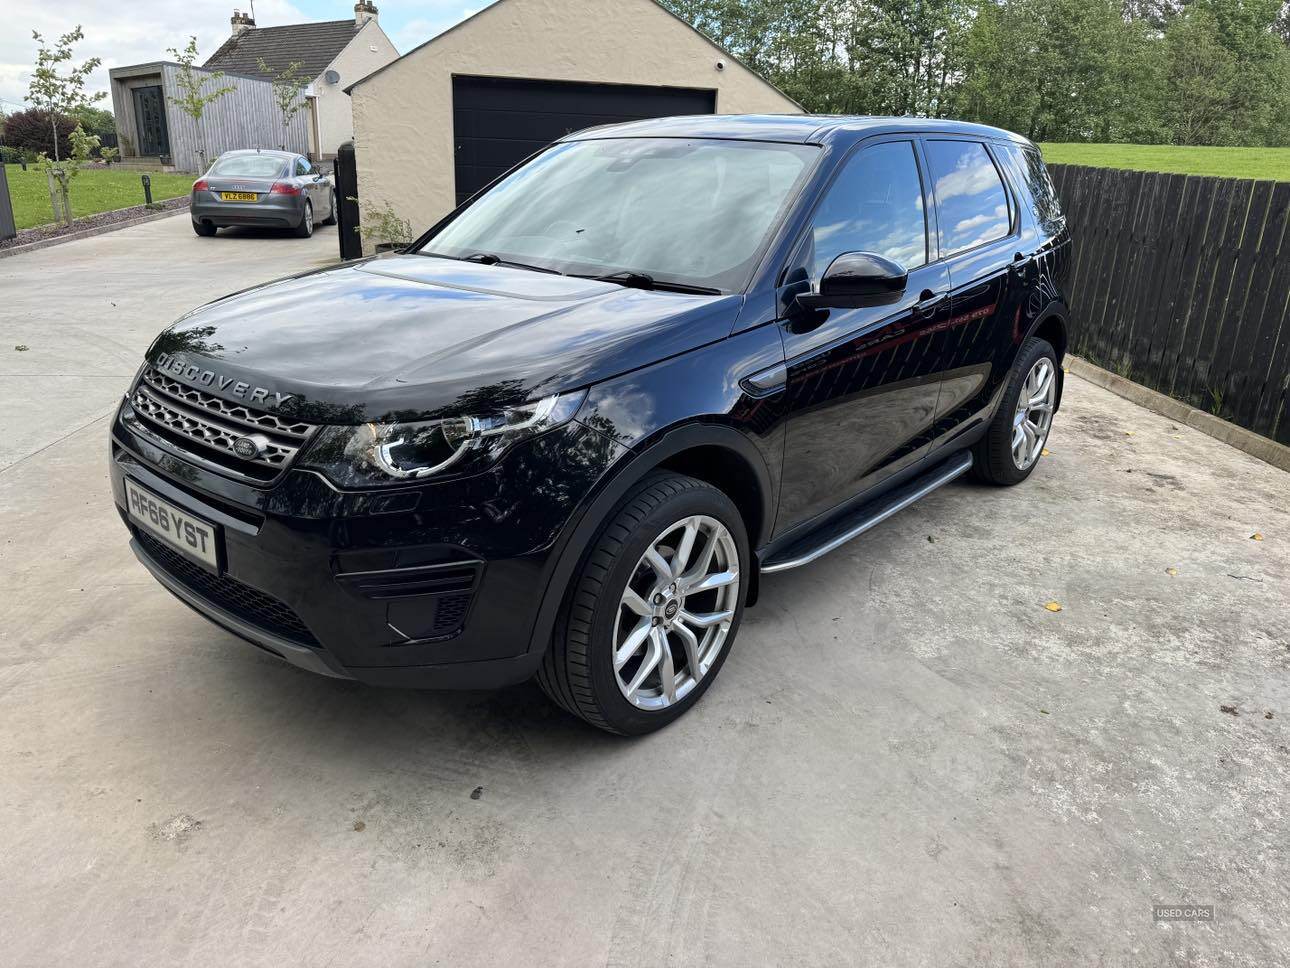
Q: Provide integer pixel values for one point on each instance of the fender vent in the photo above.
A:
(424, 601)
(448, 579)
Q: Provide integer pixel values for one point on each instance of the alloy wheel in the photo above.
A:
(676, 612)
(1034, 415)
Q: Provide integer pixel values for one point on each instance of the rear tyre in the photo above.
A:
(306, 227)
(653, 610)
(331, 212)
(1014, 444)
(204, 229)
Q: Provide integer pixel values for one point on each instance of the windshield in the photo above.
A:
(249, 166)
(693, 211)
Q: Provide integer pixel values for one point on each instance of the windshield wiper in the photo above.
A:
(643, 280)
(488, 259)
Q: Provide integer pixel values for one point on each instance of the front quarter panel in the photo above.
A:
(704, 387)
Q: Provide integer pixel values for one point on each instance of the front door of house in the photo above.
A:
(150, 117)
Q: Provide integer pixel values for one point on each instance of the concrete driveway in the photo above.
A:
(86, 311)
(907, 761)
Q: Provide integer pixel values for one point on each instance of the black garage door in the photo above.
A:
(498, 122)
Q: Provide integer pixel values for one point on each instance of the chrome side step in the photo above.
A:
(821, 543)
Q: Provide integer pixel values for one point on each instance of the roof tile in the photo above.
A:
(313, 45)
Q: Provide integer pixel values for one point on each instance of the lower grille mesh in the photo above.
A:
(251, 605)
(450, 613)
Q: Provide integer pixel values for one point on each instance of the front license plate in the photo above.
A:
(175, 526)
(238, 196)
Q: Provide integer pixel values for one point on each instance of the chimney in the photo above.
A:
(241, 21)
(364, 11)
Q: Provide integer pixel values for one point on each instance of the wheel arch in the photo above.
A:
(1052, 327)
(1052, 324)
(718, 454)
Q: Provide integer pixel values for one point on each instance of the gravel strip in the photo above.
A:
(41, 232)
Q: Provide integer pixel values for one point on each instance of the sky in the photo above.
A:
(138, 31)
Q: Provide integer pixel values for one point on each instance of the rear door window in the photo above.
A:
(874, 205)
(971, 202)
(1028, 163)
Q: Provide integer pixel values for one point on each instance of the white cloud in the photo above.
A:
(439, 16)
(123, 34)
(968, 178)
(967, 224)
(142, 30)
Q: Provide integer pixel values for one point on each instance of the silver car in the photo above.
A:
(268, 188)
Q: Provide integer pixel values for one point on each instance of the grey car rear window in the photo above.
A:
(249, 166)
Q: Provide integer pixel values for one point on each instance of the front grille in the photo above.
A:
(205, 428)
(247, 603)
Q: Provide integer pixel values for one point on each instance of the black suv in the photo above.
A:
(568, 431)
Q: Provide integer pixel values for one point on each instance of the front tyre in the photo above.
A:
(331, 210)
(653, 611)
(1015, 440)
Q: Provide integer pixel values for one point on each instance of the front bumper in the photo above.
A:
(436, 586)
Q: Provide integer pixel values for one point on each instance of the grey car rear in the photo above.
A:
(275, 189)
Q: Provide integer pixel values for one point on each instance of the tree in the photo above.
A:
(1072, 70)
(95, 120)
(84, 145)
(1202, 76)
(60, 94)
(32, 131)
(193, 97)
(1228, 74)
(1062, 70)
(287, 87)
(60, 179)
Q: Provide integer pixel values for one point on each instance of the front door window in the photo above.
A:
(875, 205)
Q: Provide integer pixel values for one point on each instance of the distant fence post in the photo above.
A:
(347, 213)
(1180, 282)
(7, 228)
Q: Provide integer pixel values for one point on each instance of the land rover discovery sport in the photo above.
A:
(570, 430)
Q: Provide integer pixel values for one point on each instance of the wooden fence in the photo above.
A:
(1182, 283)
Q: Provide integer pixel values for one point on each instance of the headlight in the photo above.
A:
(401, 452)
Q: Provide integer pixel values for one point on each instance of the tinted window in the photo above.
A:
(249, 166)
(971, 204)
(1030, 166)
(874, 205)
(693, 211)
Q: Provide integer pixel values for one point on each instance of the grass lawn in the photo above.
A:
(1273, 163)
(92, 191)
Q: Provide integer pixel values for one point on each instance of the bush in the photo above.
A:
(29, 130)
(95, 120)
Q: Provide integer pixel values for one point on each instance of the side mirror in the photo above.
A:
(857, 279)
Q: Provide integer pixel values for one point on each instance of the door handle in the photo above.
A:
(1020, 266)
(930, 303)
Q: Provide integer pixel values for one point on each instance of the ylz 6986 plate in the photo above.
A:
(175, 526)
